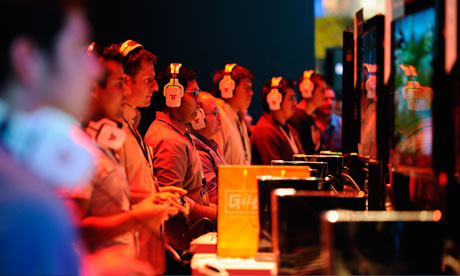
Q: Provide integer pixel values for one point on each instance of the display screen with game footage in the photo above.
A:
(414, 45)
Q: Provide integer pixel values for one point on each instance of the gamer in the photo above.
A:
(273, 138)
(311, 87)
(135, 156)
(175, 158)
(108, 219)
(233, 85)
(207, 123)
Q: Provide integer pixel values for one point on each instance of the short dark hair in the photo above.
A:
(185, 76)
(109, 53)
(239, 73)
(40, 21)
(132, 62)
(285, 83)
(315, 78)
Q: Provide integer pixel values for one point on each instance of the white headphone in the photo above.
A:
(107, 133)
(174, 91)
(200, 121)
(51, 145)
(274, 97)
(227, 84)
(306, 86)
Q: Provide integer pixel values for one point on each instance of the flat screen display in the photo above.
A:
(414, 44)
(368, 73)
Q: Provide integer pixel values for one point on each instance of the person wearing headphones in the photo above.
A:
(273, 137)
(311, 86)
(135, 156)
(233, 86)
(108, 219)
(206, 124)
(175, 159)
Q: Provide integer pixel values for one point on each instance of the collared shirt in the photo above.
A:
(136, 158)
(135, 155)
(175, 158)
(233, 140)
(108, 195)
(272, 141)
(331, 138)
(210, 160)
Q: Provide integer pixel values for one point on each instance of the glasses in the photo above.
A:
(193, 92)
(214, 113)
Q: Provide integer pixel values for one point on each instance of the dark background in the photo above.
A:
(270, 37)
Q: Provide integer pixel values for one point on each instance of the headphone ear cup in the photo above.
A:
(274, 99)
(306, 88)
(173, 93)
(111, 136)
(199, 122)
(226, 87)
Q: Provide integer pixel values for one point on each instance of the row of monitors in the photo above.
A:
(407, 122)
(313, 230)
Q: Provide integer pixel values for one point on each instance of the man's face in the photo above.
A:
(289, 104)
(187, 111)
(112, 96)
(328, 103)
(243, 95)
(68, 83)
(142, 85)
(212, 115)
(318, 94)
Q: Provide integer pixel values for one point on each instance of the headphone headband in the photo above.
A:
(175, 67)
(128, 46)
(229, 68)
(276, 82)
(307, 74)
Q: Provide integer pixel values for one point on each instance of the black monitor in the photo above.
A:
(318, 169)
(296, 226)
(266, 184)
(373, 101)
(382, 242)
(350, 99)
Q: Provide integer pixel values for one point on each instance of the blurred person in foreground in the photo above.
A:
(45, 78)
(273, 137)
(206, 124)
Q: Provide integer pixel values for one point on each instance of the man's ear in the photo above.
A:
(26, 61)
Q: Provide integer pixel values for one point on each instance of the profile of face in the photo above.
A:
(328, 104)
(63, 79)
(289, 103)
(142, 85)
(187, 111)
(212, 114)
(243, 95)
(113, 95)
(318, 94)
